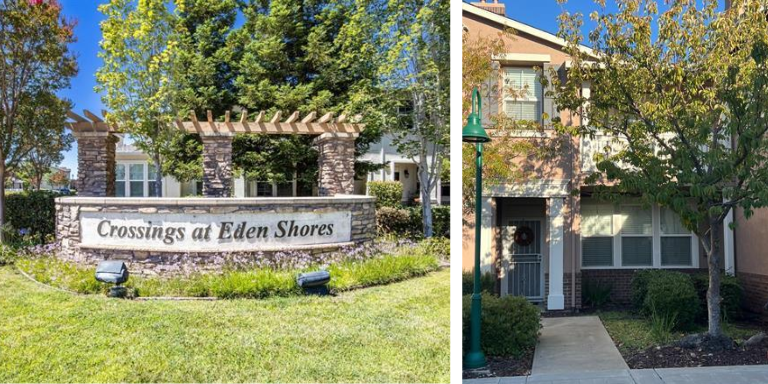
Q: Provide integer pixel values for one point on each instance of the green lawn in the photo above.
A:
(393, 333)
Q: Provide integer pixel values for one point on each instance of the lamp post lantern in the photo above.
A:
(473, 132)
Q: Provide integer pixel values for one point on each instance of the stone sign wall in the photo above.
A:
(152, 235)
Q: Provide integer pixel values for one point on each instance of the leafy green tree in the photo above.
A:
(684, 93)
(139, 49)
(45, 118)
(416, 72)
(34, 50)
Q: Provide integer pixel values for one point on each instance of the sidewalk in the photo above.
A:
(749, 374)
(575, 344)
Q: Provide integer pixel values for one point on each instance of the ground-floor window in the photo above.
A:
(634, 236)
(135, 179)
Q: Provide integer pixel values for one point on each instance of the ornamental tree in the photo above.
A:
(416, 72)
(139, 47)
(684, 92)
(35, 57)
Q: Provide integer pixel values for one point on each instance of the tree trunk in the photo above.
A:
(426, 201)
(2, 203)
(713, 293)
(158, 177)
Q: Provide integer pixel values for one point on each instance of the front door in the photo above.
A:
(523, 241)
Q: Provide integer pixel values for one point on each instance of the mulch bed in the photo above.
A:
(674, 356)
(503, 366)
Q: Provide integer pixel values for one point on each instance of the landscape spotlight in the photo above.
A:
(113, 272)
(314, 282)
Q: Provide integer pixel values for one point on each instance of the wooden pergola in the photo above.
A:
(335, 143)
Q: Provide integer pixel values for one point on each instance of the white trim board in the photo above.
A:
(533, 188)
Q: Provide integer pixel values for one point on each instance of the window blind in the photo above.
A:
(676, 250)
(636, 251)
(597, 251)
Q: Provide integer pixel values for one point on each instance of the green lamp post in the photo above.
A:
(473, 132)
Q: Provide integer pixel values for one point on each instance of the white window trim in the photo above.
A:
(127, 164)
(656, 245)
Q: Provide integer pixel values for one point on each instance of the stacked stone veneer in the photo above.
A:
(336, 164)
(217, 166)
(68, 209)
(96, 164)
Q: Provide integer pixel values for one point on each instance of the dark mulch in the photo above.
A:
(503, 366)
(674, 356)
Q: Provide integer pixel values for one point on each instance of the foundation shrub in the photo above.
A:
(408, 221)
(30, 216)
(671, 295)
(639, 286)
(487, 283)
(595, 293)
(387, 193)
(731, 293)
(509, 325)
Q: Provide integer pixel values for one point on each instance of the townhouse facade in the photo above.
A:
(135, 177)
(544, 242)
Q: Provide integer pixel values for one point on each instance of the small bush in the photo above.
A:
(387, 193)
(30, 216)
(639, 286)
(672, 295)
(394, 221)
(409, 221)
(440, 247)
(509, 325)
(7, 254)
(596, 293)
(731, 293)
(487, 283)
(661, 326)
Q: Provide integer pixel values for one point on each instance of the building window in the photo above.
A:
(285, 189)
(522, 94)
(597, 235)
(136, 184)
(636, 236)
(397, 176)
(151, 182)
(120, 180)
(676, 248)
(263, 189)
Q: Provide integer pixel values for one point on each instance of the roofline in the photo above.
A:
(516, 25)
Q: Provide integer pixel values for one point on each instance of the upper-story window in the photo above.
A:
(523, 94)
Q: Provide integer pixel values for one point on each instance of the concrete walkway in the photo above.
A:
(750, 374)
(575, 344)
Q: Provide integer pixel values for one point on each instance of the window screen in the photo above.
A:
(676, 250)
(636, 251)
(597, 251)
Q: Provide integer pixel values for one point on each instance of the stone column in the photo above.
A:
(95, 164)
(556, 219)
(217, 165)
(336, 164)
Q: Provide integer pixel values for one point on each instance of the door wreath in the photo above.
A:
(524, 236)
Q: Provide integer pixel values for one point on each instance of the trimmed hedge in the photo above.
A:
(387, 193)
(487, 283)
(509, 325)
(408, 221)
(731, 293)
(30, 216)
(667, 294)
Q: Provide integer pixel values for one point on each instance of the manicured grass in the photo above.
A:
(392, 333)
(633, 332)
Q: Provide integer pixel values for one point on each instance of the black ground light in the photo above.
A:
(114, 272)
(314, 283)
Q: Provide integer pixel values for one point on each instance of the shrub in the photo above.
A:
(731, 292)
(388, 269)
(254, 284)
(596, 293)
(394, 221)
(408, 221)
(440, 247)
(671, 295)
(487, 283)
(387, 193)
(509, 325)
(30, 216)
(7, 254)
(639, 286)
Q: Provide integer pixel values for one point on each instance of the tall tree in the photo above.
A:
(45, 117)
(684, 93)
(139, 49)
(35, 57)
(59, 178)
(416, 71)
